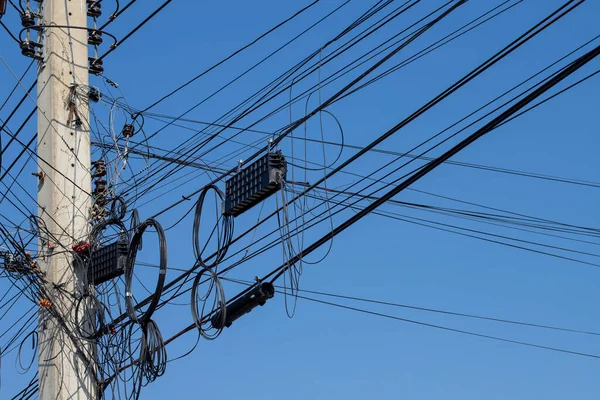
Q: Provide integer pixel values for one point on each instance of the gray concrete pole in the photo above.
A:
(67, 367)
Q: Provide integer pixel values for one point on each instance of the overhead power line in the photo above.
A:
(201, 74)
(134, 30)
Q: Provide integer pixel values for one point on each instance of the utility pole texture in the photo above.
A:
(66, 367)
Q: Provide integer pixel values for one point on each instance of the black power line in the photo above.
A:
(134, 30)
(566, 72)
(528, 35)
(201, 74)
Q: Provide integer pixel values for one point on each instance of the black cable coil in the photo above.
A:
(153, 354)
(92, 325)
(118, 208)
(224, 234)
(129, 267)
(212, 302)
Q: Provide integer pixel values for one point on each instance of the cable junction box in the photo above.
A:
(108, 262)
(254, 183)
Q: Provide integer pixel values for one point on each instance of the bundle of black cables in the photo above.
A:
(224, 233)
(153, 355)
(129, 267)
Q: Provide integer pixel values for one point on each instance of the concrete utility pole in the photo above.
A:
(66, 363)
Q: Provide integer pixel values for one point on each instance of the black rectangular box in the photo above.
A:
(254, 183)
(108, 262)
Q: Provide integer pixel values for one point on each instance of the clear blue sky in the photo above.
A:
(326, 352)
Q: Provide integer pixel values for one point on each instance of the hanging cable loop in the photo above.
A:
(208, 300)
(89, 317)
(224, 231)
(153, 354)
(144, 317)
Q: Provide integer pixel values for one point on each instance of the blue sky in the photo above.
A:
(326, 352)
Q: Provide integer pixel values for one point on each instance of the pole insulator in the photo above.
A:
(128, 130)
(94, 9)
(96, 67)
(95, 37)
